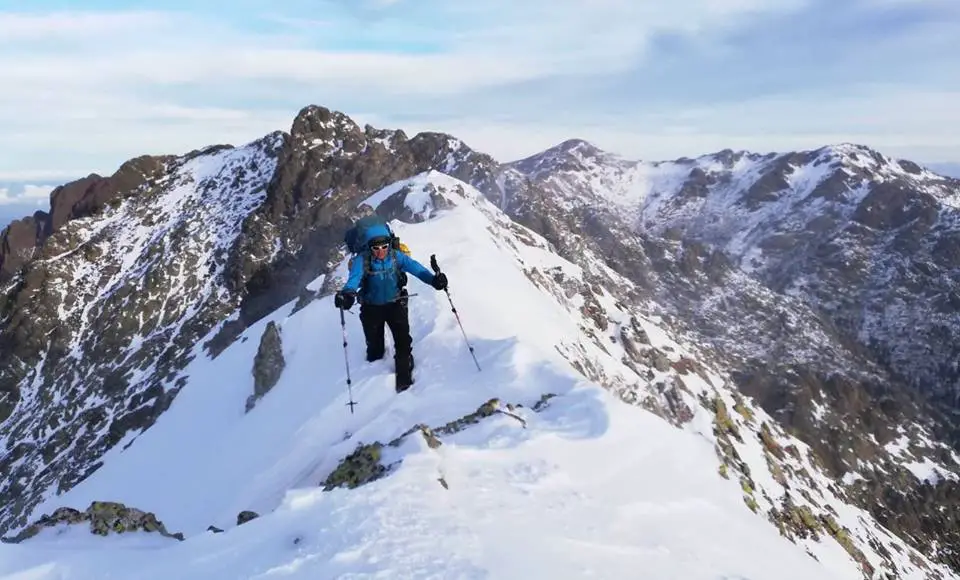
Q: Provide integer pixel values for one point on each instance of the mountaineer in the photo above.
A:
(377, 278)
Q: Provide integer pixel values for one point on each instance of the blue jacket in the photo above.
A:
(380, 285)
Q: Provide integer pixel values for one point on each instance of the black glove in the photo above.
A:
(344, 299)
(439, 281)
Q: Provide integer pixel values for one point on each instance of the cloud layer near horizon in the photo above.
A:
(84, 91)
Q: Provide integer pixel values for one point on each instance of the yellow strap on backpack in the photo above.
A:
(404, 248)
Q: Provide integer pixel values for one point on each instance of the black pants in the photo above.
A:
(373, 317)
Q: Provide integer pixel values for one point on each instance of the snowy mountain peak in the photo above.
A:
(575, 147)
(569, 156)
(847, 147)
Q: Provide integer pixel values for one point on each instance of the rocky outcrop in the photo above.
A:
(81, 198)
(926, 511)
(267, 365)
(102, 518)
(365, 464)
(18, 243)
(326, 167)
(371, 161)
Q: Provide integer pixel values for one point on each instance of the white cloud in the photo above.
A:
(41, 174)
(912, 124)
(486, 44)
(497, 41)
(18, 28)
(71, 106)
(158, 82)
(36, 192)
(25, 194)
(85, 135)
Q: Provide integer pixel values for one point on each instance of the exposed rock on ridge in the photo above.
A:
(103, 519)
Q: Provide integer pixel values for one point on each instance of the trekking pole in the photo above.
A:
(436, 270)
(404, 297)
(346, 360)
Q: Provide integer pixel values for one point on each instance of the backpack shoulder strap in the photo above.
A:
(398, 274)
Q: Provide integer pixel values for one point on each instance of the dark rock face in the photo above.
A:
(927, 512)
(893, 205)
(327, 166)
(862, 419)
(78, 199)
(18, 242)
(268, 364)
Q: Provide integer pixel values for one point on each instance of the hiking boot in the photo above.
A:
(404, 375)
(403, 385)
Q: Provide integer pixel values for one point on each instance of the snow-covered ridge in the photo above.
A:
(133, 286)
(549, 489)
(825, 276)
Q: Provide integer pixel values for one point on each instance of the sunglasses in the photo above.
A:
(379, 247)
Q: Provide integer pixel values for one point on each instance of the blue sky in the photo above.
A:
(84, 90)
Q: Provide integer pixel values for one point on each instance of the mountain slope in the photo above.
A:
(527, 467)
(104, 297)
(826, 280)
(841, 228)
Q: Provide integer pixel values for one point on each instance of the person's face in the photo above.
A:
(379, 250)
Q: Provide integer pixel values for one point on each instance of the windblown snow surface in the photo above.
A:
(587, 486)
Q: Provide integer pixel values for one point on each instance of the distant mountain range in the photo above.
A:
(20, 198)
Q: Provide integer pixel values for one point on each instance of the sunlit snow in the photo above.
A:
(587, 487)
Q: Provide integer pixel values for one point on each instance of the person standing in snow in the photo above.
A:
(375, 280)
